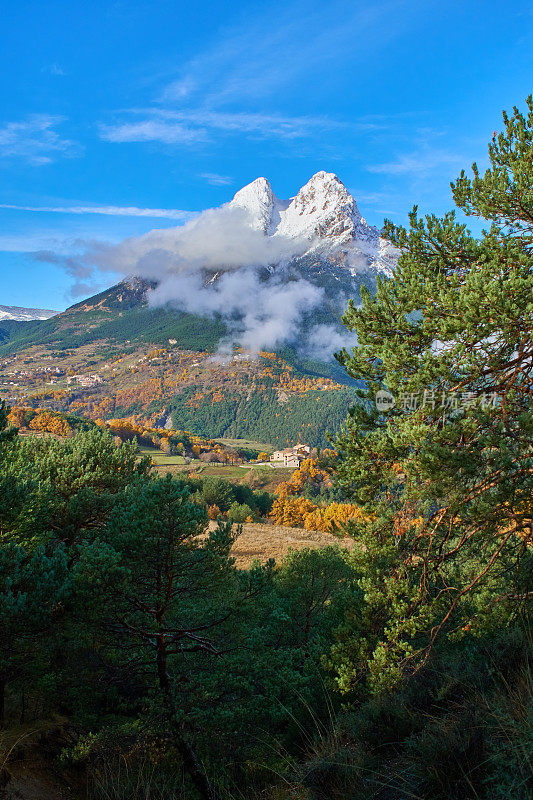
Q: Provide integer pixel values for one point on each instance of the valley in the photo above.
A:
(265, 396)
(221, 363)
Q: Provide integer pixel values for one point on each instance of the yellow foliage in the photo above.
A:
(16, 416)
(50, 423)
(308, 474)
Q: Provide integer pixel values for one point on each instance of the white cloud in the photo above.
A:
(325, 340)
(83, 274)
(212, 265)
(286, 46)
(235, 84)
(34, 140)
(215, 179)
(54, 69)
(113, 211)
(29, 243)
(219, 238)
(420, 162)
(197, 125)
(259, 313)
(152, 130)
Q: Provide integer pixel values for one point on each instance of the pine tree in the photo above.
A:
(445, 478)
(32, 588)
(168, 597)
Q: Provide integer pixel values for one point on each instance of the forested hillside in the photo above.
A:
(291, 311)
(136, 659)
(112, 356)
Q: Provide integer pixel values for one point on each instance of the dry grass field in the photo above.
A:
(259, 542)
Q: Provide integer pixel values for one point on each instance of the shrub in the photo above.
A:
(239, 512)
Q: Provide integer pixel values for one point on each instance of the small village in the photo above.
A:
(291, 456)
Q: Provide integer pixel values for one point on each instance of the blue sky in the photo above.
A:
(120, 117)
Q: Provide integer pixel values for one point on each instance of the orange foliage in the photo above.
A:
(308, 474)
(293, 511)
(16, 416)
(299, 512)
(50, 423)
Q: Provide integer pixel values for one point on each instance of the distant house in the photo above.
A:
(277, 455)
(292, 456)
(85, 380)
(293, 460)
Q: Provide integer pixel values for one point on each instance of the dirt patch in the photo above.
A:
(27, 783)
(261, 542)
(29, 767)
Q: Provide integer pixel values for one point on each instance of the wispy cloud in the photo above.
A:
(112, 211)
(152, 130)
(420, 162)
(35, 140)
(259, 312)
(84, 280)
(31, 242)
(216, 180)
(196, 125)
(242, 83)
(54, 69)
(282, 47)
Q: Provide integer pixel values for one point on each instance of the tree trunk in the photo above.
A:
(190, 760)
(2, 700)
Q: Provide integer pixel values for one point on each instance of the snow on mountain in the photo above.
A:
(263, 207)
(24, 314)
(323, 213)
(323, 209)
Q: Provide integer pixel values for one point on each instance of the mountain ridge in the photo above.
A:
(323, 213)
(22, 314)
(103, 346)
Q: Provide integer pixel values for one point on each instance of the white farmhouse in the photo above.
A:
(292, 456)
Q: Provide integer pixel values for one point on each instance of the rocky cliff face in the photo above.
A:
(323, 215)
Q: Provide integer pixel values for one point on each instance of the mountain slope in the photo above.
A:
(117, 354)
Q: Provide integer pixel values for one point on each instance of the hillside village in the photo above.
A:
(175, 387)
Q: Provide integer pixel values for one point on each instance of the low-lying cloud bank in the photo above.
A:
(215, 265)
(259, 314)
(220, 238)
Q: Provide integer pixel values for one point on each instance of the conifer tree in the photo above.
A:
(445, 477)
(168, 598)
(33, 586)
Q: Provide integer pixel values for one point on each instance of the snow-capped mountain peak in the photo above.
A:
(324, 214)
(323, 208)
(24, 314)
(261, 204)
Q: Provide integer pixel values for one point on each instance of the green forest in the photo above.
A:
(137, 661)
(259, 416)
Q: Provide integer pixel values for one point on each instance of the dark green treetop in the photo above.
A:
(446, 475)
